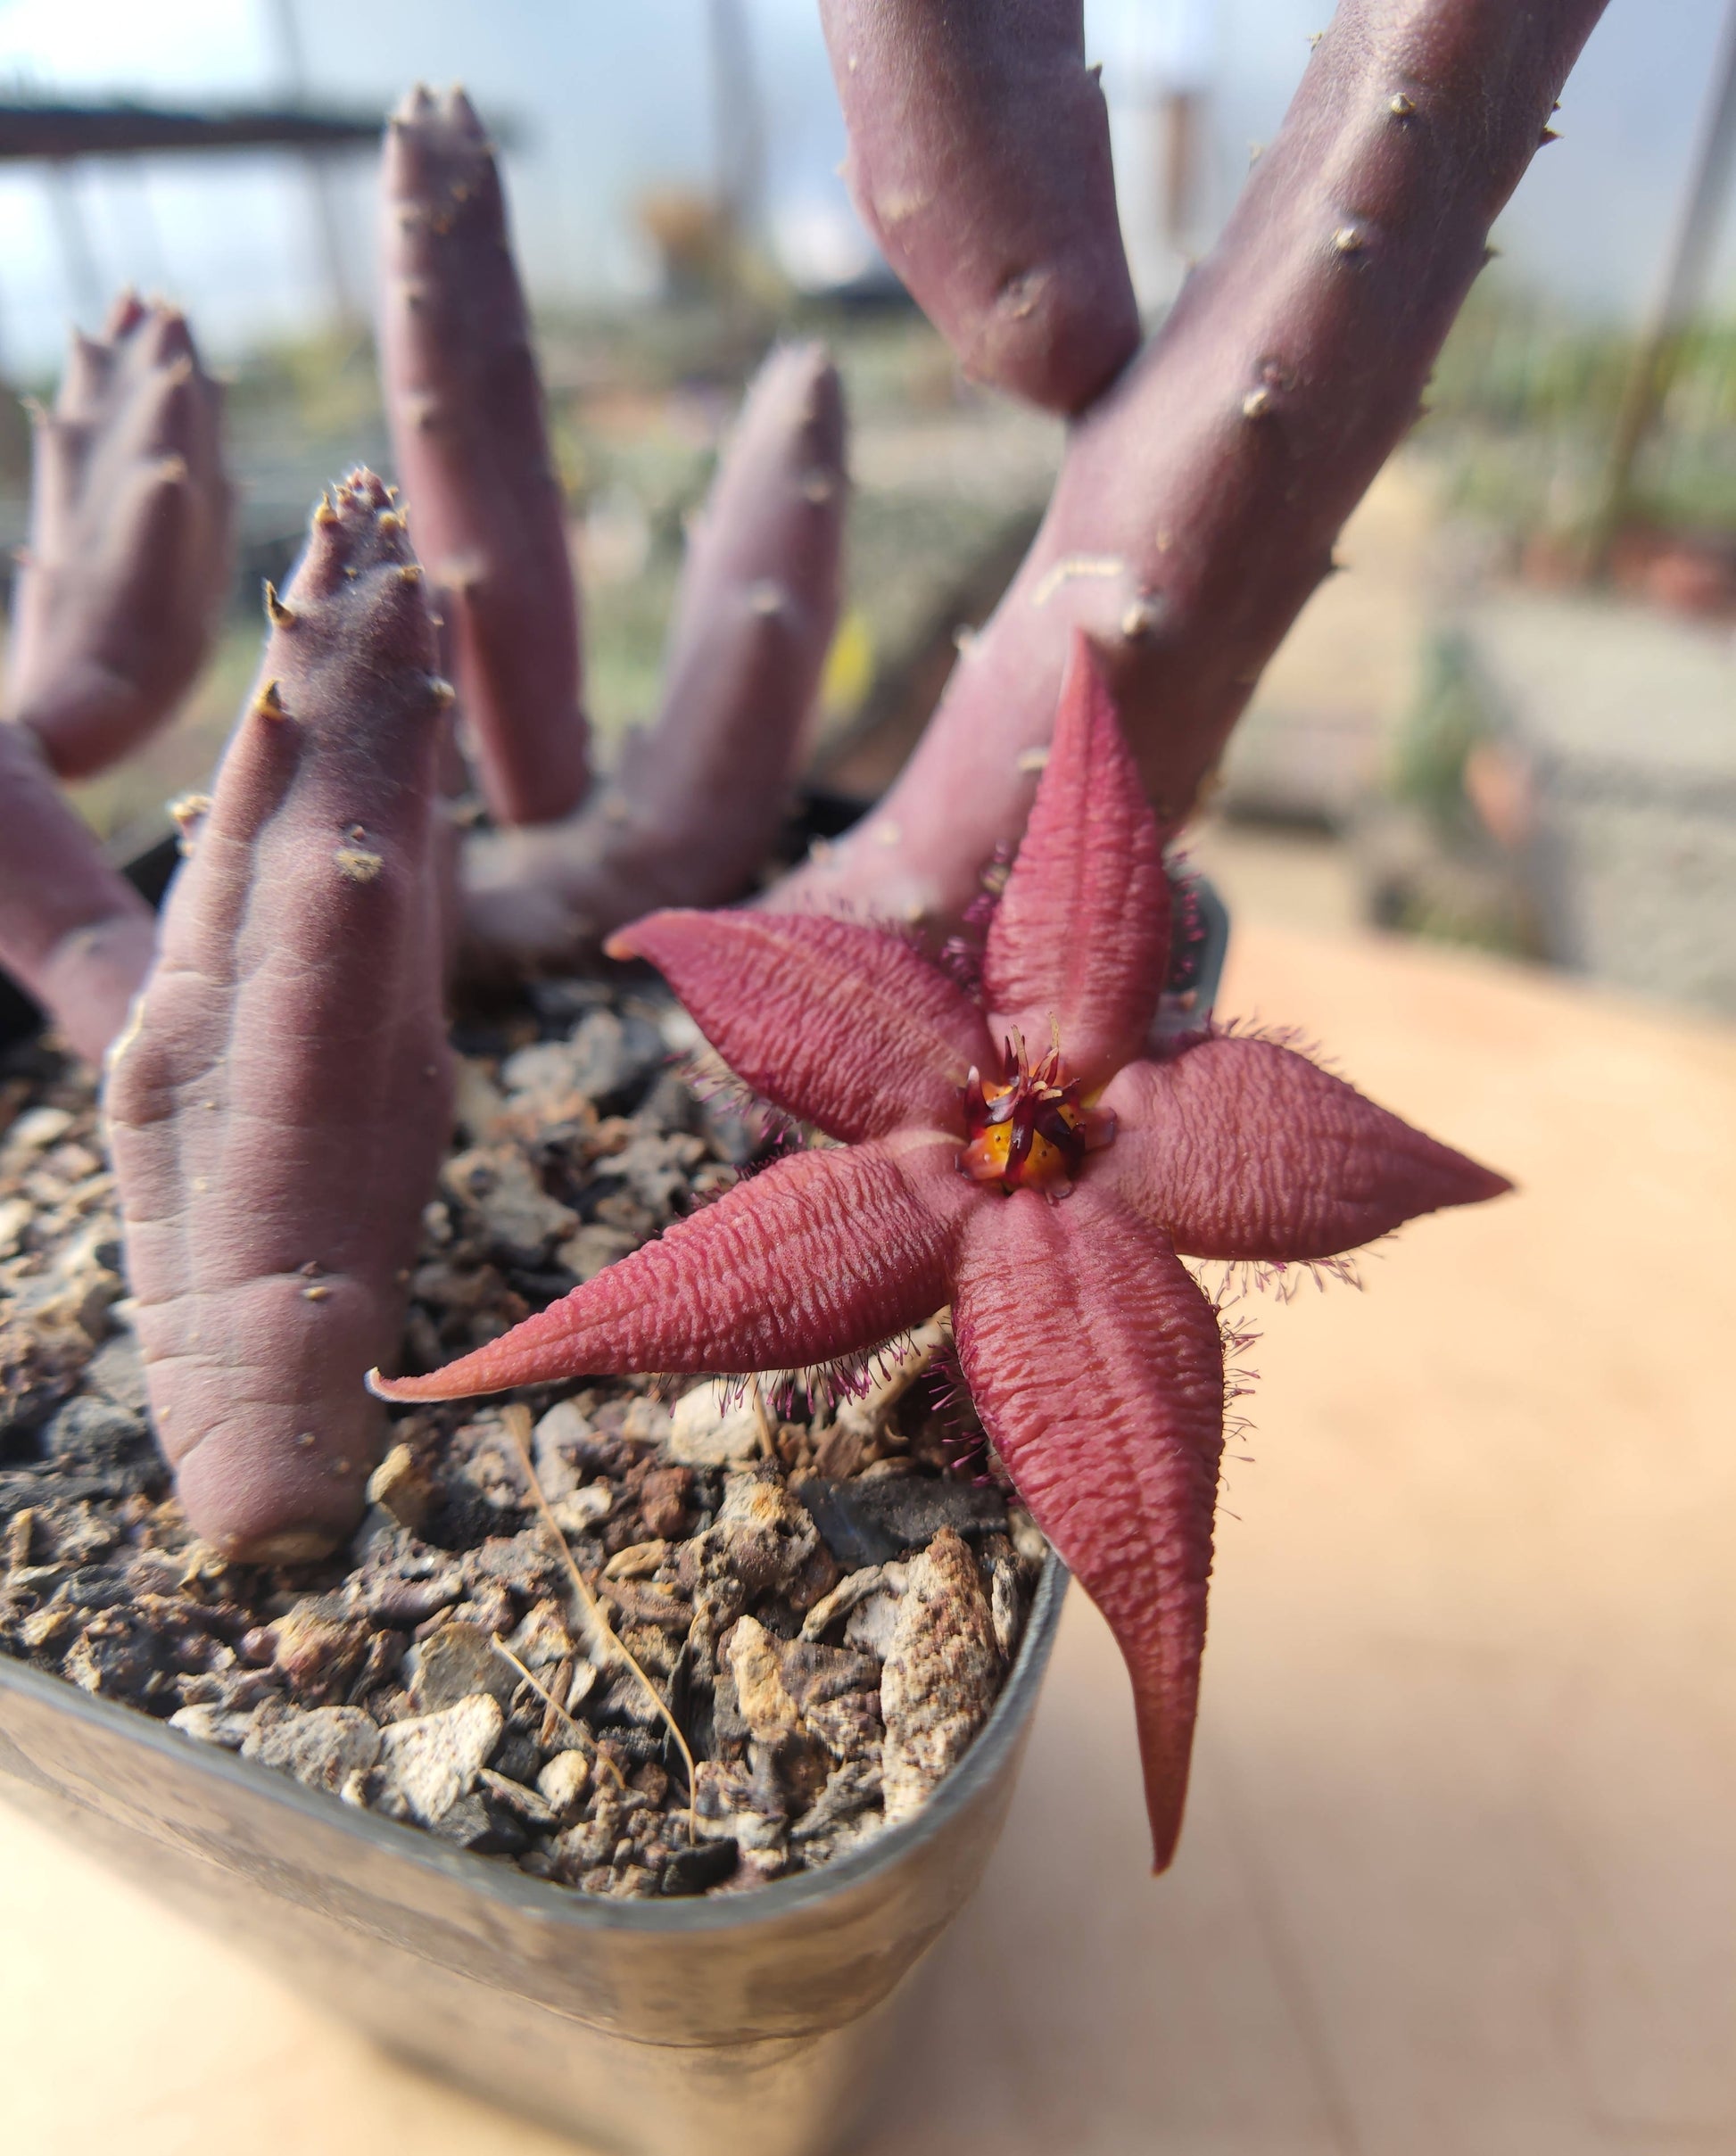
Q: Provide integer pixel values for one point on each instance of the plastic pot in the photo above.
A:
(739, 2025)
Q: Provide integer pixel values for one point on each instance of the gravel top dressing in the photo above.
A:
(551, 1608)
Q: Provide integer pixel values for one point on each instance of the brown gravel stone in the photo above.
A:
(428, 1763)
(942, 1672)
(404, 1486)
(324, 1749)
(455, 1662)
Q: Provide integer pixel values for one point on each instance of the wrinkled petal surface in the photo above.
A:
(843, 1026)
(1241, 1149)
(1081, 934)
(1095, 1365)
(819, 1254)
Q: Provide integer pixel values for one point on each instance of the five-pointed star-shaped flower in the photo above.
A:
(1047, 1201)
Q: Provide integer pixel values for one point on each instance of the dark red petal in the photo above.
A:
(1095, 1366)
(821, 1253)
(841, 1025)
(1240, 1149)
(1082, 936)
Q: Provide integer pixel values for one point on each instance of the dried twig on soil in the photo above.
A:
(516, 1421)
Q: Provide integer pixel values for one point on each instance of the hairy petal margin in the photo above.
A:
(823, 1253)
(1239, 1149)
(841, 1025)
(1080, 938)
(1095, 1365)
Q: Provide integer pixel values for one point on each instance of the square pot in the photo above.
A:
(737, 2026)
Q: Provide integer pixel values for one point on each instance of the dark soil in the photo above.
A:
(825, 1609)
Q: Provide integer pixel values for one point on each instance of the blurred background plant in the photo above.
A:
(1526, 403)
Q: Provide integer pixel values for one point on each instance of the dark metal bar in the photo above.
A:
(125, 131)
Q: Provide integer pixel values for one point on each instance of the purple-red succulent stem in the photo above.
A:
(1200, 498)
(691, 811)
(980, 160)
(465, 410)
(279, 1102)
(72, 931)
(128, 568)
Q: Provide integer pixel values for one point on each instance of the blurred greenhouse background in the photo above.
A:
(1512, 723)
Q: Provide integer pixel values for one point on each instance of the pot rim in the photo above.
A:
(565, 1906)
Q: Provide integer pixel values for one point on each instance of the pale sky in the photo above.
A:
(610, 97)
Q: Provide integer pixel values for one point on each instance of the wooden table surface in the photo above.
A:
(1459, 1874)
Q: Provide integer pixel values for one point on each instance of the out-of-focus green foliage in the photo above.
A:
(1436, 734)
(1523, 403)
(1429, 867)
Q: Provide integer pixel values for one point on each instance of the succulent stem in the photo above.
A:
(128, 562)
(1212, 478)
(980, 160)
(465, 405)
(279, 1102)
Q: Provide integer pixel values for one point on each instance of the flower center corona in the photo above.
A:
(1031, 1131)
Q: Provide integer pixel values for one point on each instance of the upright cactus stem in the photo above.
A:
(1200, 498)
(127, 566)
(72, 932)
(116, 600)
(980, 160)
(464, 405)
(279, 1102)
(696, 802)
(693, 809)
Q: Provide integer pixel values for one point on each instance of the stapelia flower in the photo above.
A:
(1028, 1159)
